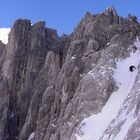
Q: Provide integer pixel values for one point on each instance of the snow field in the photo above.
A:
(95, 125)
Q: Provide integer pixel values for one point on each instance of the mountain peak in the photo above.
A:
(62, 88)
(111, 10)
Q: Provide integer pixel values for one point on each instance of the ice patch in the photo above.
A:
(11, 115)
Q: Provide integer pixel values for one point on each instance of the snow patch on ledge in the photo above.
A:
(31, 136)
(94, 126)
(137, 42)
(4, 32)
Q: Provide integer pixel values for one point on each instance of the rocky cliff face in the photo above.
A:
(49, 84)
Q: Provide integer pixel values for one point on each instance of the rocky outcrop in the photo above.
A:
(24, 57)
(46, 78)
(2, 47)
(49, 84)
(4, 105)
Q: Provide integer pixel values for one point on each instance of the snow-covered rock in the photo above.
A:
(125, 125)
(93, 127)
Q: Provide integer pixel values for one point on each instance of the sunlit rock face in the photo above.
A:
(53, 88)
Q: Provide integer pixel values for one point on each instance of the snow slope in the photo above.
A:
(94, 126)
(4, 34)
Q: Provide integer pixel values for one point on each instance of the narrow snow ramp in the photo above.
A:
(94, 126)
(119, 128)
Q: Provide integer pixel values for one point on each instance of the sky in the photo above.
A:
(63, 15)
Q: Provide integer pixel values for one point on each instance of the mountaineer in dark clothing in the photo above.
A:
(132, 68)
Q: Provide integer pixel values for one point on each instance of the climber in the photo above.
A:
(132, 68)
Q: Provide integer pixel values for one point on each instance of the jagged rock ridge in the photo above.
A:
(49, 84)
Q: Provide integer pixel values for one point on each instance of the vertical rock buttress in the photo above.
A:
(24, 57)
